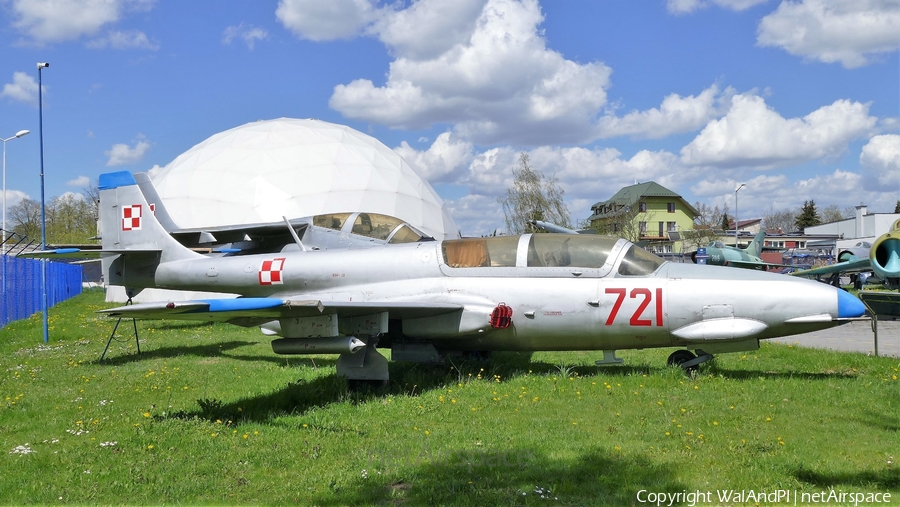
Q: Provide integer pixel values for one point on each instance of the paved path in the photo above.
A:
(856, 336)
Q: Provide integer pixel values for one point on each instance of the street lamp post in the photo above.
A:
(736, 213)
(18, 135)
(44, 302)
(3, 247)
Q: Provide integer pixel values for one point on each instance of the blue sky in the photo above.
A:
(798, 99)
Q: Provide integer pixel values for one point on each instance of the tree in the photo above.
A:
(623, 223)
(25, 219)
(532, 197)
(707, 225)
(833, 213)
(782, 221)
(897, 207)
(69, 218)
(808, 215)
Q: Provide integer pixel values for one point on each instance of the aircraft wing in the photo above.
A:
(840, 267)
(77, 253)
(262, 232)
(252, 311)
(760, 266)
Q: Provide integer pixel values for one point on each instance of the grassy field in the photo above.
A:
(207, 414)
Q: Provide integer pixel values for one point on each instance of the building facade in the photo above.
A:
(645, 212)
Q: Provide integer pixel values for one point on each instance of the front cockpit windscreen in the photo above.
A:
(548, 250)
(639, 262)
(405, 234)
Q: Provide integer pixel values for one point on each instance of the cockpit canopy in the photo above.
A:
(371, 225)
(549, 251)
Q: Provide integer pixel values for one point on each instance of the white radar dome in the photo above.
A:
(266, 170)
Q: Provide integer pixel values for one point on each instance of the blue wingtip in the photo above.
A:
(849, 306)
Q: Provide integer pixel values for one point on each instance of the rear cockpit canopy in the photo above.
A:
(547, 251)
(379, 227)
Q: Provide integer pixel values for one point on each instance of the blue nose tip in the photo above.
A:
(849, 306)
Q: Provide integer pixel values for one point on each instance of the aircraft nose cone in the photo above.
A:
(849, 305)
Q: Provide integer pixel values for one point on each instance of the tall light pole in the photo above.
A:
(736, 213)
(44, 302)
(18, 135)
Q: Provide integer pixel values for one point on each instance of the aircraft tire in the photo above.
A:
(679, 357)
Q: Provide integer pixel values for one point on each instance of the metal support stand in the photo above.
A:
(112, 335)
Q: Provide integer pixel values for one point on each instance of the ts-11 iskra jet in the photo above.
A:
(423, 299)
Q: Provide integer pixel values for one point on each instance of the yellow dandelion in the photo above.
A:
(146, 414)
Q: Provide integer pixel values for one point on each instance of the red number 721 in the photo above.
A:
(636, 319)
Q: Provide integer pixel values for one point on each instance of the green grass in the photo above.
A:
(207, 414)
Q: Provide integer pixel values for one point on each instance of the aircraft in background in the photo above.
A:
(883, 259)
(424, 299)
(721, 254)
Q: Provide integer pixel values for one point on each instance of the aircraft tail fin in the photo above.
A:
(127, 221)
(755, 246)
(155, 202)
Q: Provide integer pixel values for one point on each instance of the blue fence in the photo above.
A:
(21, 286)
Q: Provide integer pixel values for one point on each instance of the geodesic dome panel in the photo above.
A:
(262, 171)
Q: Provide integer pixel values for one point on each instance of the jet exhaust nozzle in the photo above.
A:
(336, 345)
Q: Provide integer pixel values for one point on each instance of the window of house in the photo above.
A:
(671, 227)
(671, 207)
(643, 227)
(661, 228)
(642, 207)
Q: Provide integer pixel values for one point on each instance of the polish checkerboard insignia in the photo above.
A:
(131, 217)
(270, 272)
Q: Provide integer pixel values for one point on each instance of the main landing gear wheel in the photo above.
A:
(687, 360)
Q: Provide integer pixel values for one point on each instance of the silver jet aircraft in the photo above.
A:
(424, 299)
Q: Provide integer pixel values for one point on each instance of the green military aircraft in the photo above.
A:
(720, 254)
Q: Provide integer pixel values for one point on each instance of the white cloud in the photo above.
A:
(675, 115)
(153, 171)
(318, 21)
(845, 31)
(754, 135)
(249, 34)
(411, 32)
(122, 154)
(880, 159)
(686, 6)
(128, 39)
(442, 161)
(13, 197)
(70, 197)
(48, 21)
(497, 82)
(81, 181)
(23, 89)
(476, 215)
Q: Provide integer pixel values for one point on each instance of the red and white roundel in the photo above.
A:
(270, 272)
(131, 217)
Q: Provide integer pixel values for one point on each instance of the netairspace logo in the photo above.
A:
(727, 496)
